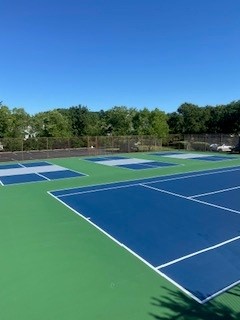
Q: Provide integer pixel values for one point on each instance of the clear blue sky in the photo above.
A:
(105, 53)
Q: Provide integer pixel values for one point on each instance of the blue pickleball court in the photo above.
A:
(26, 172)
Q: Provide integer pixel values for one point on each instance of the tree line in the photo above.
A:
(119, 120)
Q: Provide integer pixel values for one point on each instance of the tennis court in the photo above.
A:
(111, 241)
(198, 232)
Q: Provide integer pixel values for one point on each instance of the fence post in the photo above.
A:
(22, 150)
(47, 146)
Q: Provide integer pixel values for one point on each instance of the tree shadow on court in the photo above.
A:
(175, 305)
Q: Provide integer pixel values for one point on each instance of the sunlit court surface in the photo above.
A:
(182, 225)
(138, 233)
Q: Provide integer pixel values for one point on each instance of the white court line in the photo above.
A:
(128, 249)
(136, 183)
(213, 192)
(41, 175)
(193, 176)
(1, 183)
(221, 291)
(141, 180)
(96, 190)
(144, 261)
(190, 199)
(197, 252)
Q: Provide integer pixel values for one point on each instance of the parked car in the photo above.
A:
(221, 148)
(224, 148)
(213, 147)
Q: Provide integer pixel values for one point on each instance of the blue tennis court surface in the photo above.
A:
(130, 163)
(33, 172)
(215, 158)
(10, 166)
(186, 226)
(194, 156)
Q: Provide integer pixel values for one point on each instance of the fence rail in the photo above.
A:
(42, 148)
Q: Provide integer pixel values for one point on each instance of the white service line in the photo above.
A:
(197, 252)
(214, 192)
(173, 177)
(136, 183)
(190, 199)
(195, 175)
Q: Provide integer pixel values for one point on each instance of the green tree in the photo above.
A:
(231, 120)
(94, 124)
(20, 121)
(192, 118)
(142, 123)
(175, 122)
(159, 125)
(5, 121)
(151, 123)
(51, 124)
(120, 120)
(79, 118)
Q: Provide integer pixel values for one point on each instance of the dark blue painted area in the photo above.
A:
(208, 273)
(115, 158)
(229, 199)
(173, 177)
(213, 158)
(95, 159)
(165, 153)
(36, 164)
(159, 227)
(133, 166)
(21, 178)
(9, 166)
(147, 165)
(199, 184)
(62, 174)
(160, 164)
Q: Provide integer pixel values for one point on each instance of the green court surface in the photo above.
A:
(56, 266)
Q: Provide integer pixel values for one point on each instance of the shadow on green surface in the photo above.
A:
(177, 306)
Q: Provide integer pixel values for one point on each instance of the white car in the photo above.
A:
(224, 148)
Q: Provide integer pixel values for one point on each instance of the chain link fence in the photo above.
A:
(208, 142)
(43, 148)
